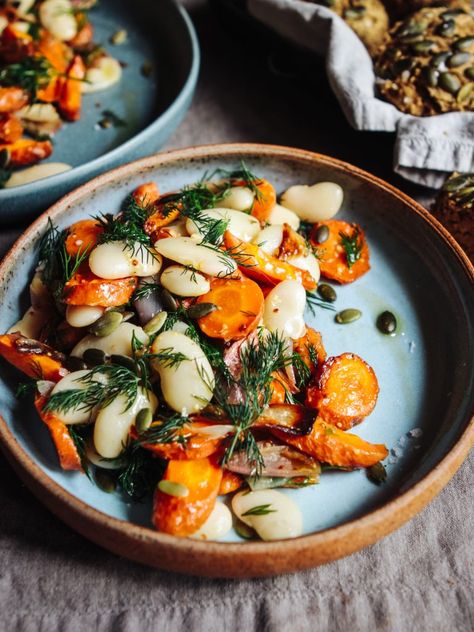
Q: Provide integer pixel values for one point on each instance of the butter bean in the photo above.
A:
(115, 260)
(280, 215)
(83, 315)
(273, 515)
(187, 252)
(314, 203)
(238, 198)
(284, 308)
(184, 282)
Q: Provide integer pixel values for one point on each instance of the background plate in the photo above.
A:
(158, 33)
(425, 372)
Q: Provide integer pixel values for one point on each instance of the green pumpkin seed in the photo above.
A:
(455, 183)
(245, 532)
(154, 325)
(169, 302)
(105, 480)
(452, 13)
(322, 234)
(94, 357)
(429, 76)
(446, 28)
(449, 82)
(439, 59)
(377, 473)
(348, 316)
(73, 363)
(124, 361)
(327, 293)
(4, 158)
(173, 489)
(469, 73)
(465, 92)
(106, 324)
(464, 43)
(355, 13)
(143, 420)
(424, 46)
(466, 197)
(410, 30)
(201, 309)
(387, 323)
(459, 59)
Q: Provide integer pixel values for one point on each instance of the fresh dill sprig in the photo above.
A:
(79, 439)
(352, 245)
(141, 474)
(302, 371)
(164, 432)
(167, 357)
(259, 510)
(31, 74)
(146, 289)
(313, 301)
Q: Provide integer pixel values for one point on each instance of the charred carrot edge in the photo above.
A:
(26, 152)
(68, 455)
(183, 516)
(345, 390)
(230, 482)
(87, 289)
(333, 260)
(302, 346)
(83, 236)
(32, 357)
(146, 194)
(262, 267)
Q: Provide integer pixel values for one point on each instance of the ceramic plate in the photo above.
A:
(425, 372)
(159, 34)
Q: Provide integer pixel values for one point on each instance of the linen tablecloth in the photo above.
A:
(419, 578)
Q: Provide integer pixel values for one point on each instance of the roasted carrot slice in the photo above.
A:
(164, 215)
(83, 236)
(183, 515)
(12, 99)
(312, 340)
(239, 308)
(265, 197)
(84, 35)
(146, 194)
(345, 390)
(32, 357)
(328, 444)
(292, 245)
(11, 128)
(84, 288)
(278, 391)
(70, 92)
(25, 152)
(55, 51)
(68, 455)
(230, 482)
(345, 253)
(261, 266)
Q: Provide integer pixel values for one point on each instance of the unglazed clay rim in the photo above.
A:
(223, 559)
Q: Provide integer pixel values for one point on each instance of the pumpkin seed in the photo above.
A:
(424, 46)
(173, 489)
(469, 72)
(452, 13)
(94, 357)
(439, 59)
(105, 480)
(387, 323)
(106, 324)
(245, 532)
(169, 302)
(201, 309)
(449, 82)
(322, 234)
(377, 473)
(327, 293)
(465, 92)
(143, 420)
(429, 76)
(458, 59)
(446, 28)
(4, 158)
(410, 30)
(464, 43)
(73, 363)
(124, 361)
(348, 316)
(457, 182)
(355, 13)
(154, 325)
(466, 197)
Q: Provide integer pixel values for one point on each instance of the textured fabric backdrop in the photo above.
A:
(419, 578)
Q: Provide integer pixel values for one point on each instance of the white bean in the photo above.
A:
(32, 322)
(23, 7)
(284, 308)
(280, 215)
(177, 229)
(186, 251)
(113, 423)
(37, 172)
(314, 203)
(238, 198)
(283, 520)
(83, 315)
(115, 260)
(106, 464)
(180, 327)
(58, 18)
(217, 525)
(119, 341)
(184, 282)
(269, 239)
(74, 381)
(188, 385)
(105, 72)
(242, 225)
(308, 263)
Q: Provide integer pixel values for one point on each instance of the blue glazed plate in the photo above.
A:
(425, 372)
(159, 34)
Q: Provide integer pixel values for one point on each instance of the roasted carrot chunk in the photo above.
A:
(328, 444)
(26, 152)
(189, 444)
(230, 482)
(51, 92)
(345, 253)
(32, 357)
(183, 515)
(146, 194)
(265, 197)
(309, 345)
(239, 308)
(262, 267)
(164, 215)
(70, 92)
(11, 128)
(68, 455)
(12, 99)
(84, 288)
(55, 51)
(84, 35)
(345, 390)
(83, 236)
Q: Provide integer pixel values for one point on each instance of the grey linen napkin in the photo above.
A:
(426, 148)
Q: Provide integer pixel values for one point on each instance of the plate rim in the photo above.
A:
(161, 121)
(226, 559)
